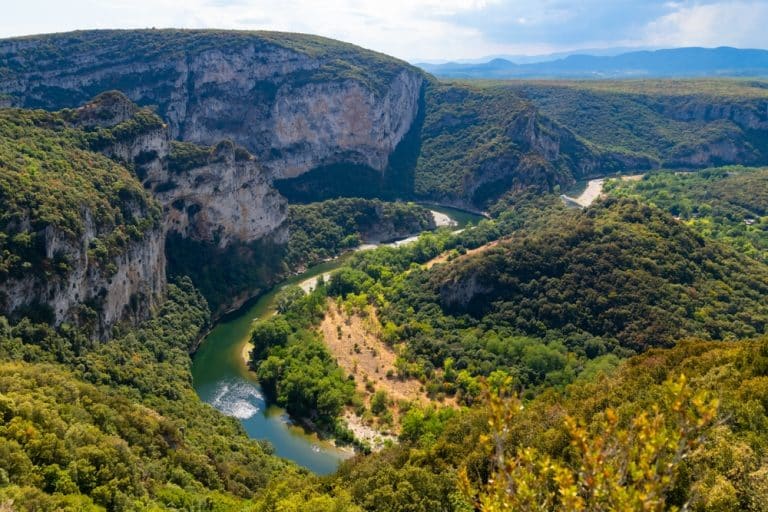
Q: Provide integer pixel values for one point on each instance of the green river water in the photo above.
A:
(222, 379)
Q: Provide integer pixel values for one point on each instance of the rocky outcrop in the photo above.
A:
(460, 292)
(723, 150)
(295, 102)
(752, 114)
(223, 196)
(220, 197)
(542, 155)
(326, 123)
(230, 199)
(94, 292)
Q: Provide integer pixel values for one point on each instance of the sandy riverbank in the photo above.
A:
(595, 189)
(443, 220)
(246, 352)
(592, 192)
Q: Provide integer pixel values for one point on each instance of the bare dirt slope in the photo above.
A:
(354, 340)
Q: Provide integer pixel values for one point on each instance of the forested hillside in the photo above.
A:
(565, 291)
(728, 204)
(541, 358)
(674, 123)
(118, 426)
(71, 221)
(726, 471)
(482, 138)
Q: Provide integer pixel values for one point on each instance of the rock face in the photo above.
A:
(219, 196)
(328, 123)
(295, 102)
(541, 154)
(93, 292)
(228, 199)
(751, 115)
(222, 196)
(460, 292)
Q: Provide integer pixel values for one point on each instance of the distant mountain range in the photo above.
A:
(536, 58)
(677, 62)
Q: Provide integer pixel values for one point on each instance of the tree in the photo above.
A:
(269, 333)
(618, 467)
(379, 402)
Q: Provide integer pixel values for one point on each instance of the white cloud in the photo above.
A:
(426, 29)
(404, 28)
(729, 23)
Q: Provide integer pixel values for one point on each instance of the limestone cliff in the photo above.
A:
(91, 250)
(94, 294)
(296, 102)
(215, 195)
(81, 241)
(229, 199)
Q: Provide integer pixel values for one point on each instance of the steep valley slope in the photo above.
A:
(151, 179)
(325, 118)
(84, 238)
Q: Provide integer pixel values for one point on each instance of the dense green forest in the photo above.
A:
(50, 177)
(610, 358)
(118, 425)
(295, 367)
(568, 371)
(149, 440)
(728, 204)
(725, 472)
(319, 231)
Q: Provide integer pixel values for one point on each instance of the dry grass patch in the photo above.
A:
(355, 341)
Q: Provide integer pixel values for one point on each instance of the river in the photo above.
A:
(222, 379)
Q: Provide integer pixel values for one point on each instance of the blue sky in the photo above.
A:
(427, 29)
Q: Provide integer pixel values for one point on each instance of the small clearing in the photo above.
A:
(362, 431)
(355, 343)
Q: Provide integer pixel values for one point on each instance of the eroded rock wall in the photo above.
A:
(293, 102)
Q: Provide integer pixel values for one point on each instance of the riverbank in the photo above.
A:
(442, 220)
(222, 377)
(594, 190)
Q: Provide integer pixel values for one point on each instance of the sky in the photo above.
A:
(426, 30)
